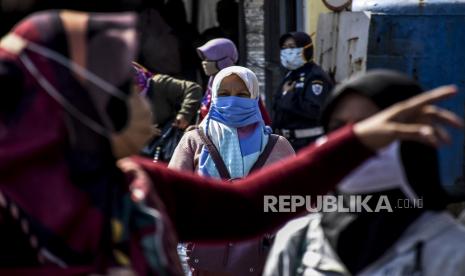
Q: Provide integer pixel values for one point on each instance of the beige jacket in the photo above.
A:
(186, 155)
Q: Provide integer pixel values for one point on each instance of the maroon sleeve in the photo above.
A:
(204, 209)
(265, 115)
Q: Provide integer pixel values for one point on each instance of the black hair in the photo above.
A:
(301, 40)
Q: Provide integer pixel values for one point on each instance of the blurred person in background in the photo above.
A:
(227, 14)
(173, 100)
(158, 43)
(175, 15)
(174, 104)
(297, 103)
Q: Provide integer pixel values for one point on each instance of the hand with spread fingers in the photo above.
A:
(415, 119)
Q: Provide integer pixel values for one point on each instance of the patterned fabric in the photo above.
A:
(235, 126)
(206, 100)
(57, 169)
(142, 77)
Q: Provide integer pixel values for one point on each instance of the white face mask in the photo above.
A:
(210, 68)
(292, 58)
(380, 173)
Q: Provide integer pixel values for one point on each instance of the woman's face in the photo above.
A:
(351, 108)
(233, 85)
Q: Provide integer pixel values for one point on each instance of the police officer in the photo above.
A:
(297, 103)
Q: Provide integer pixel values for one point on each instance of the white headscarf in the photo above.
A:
(248, 77)
(239, 152)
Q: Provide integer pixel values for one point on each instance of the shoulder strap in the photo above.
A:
(418, 257)
(272, 140)
(219, 163)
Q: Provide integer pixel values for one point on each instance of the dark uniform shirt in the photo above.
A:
(300, 107)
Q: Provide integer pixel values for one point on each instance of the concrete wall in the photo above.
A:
(255, 39)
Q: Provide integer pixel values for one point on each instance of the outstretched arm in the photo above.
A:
(209, 210)
(204, 209)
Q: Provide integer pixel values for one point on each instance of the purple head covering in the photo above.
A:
(142, 77)
(221, 50)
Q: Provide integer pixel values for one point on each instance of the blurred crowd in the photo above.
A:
(130, 144)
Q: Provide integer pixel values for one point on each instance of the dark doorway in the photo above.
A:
(280, 17)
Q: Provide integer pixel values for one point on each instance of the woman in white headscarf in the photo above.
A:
(231, 142)
(235, 127)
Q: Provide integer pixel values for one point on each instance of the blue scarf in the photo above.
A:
(236, 127)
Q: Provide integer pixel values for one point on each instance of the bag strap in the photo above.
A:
(219, 163)
(272, 140)
(214, 153)
(418, 258)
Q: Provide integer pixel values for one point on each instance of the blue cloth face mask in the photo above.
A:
(292, 58)
(235, 111)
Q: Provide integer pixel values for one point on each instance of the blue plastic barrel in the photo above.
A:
(425, 39)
